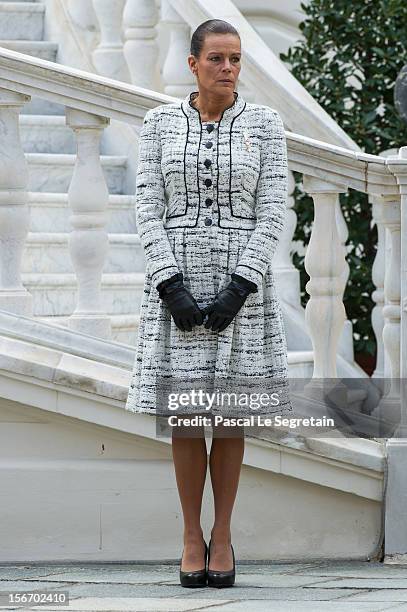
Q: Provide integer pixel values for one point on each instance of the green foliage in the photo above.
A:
(348, 61)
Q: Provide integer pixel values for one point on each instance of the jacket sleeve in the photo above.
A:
(271, 196)
(150, 203)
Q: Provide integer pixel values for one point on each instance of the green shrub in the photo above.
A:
(348, 60)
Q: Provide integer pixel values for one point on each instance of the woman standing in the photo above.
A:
(217, 167)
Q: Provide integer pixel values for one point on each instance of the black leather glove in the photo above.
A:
(183, 306)
(228, 302)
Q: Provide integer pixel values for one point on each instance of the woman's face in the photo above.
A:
(218, 66)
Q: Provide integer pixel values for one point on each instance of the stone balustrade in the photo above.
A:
(108, 56)
(90, 101)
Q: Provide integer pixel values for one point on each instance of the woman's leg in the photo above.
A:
(225, 462)
(190, 462)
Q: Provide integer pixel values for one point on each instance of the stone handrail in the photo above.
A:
(90, 102)
(78, 89)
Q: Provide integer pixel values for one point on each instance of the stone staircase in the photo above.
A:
(63, 394)
(49, 145)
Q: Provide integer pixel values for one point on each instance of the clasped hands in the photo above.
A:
(221, 311)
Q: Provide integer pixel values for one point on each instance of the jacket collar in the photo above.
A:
(228, 114)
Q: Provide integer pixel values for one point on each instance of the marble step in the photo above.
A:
(43, 49)
(300, 363)
(124, 326)
(56, 294)
(53, 172)
(50, 213)
(21, 20)
(49, 253)
(46, 134)
(125, 329)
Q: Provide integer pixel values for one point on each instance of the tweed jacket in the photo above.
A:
(210, 201)
(250, 190)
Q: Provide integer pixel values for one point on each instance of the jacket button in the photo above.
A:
(208, 182)
(210, 127)
(208, 201)
(207, 162)
(209, 144)
(208, 221)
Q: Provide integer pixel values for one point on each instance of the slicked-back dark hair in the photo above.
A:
(212, 26)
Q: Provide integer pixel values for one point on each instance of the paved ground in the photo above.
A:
(278, 587)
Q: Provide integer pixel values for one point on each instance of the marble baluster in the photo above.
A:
(286, 274)
(140, 48)
(14, 208)
(108, 57)
(177, 77)
(395, 342)
(378, 273)
(325, 264)
(345, 345)
(88, 242)
(391, 308)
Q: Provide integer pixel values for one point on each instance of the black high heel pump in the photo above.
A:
(219, 578)
(196, 578)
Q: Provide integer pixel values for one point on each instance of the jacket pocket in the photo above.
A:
(249, 183)
(243, 199)
(176, 206)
